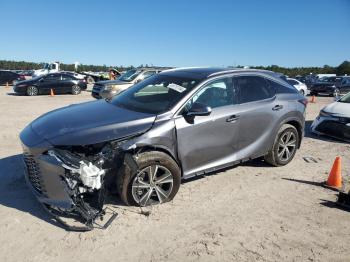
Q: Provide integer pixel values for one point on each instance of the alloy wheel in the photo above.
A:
(286, 146)
(75, 90)
(152, 185)
(32, 91)
(336, 92)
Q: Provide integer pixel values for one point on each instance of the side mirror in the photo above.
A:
(199, 109)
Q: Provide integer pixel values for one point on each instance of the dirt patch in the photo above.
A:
(251, 212)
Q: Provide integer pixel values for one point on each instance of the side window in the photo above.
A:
(252, 88)
(292, 82)
(53, 77)
(67, 77)
(279, 88)
(215, 94)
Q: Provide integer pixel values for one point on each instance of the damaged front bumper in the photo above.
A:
(333, 126)
(70, 187)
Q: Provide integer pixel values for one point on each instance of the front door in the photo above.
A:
(209, 141)
(50, 81)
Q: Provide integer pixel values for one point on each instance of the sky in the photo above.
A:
(177, 33)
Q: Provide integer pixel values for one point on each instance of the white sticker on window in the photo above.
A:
(177, 88)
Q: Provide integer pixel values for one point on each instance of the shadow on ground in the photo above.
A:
(14, 192)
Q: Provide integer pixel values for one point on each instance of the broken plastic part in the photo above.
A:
(90, 175)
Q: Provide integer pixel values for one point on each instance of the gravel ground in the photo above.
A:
(252, 212)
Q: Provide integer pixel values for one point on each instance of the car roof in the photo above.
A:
(207, 72)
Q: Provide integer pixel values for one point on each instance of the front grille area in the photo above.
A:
(34, 173)
(334, 128)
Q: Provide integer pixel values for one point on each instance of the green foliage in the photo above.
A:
(342, 69)
(22, 65)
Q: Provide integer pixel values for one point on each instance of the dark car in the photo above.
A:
(326, 85)
(60, 83)
(172, 126)
(8, 77)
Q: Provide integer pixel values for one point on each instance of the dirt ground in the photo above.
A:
(252, 212)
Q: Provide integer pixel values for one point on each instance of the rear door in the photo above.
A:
(50, 81)
(205, 142)
(67, 83)
(259, 112)
(345, 85)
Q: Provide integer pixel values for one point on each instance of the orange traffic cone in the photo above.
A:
(335, 179)
(313, 99)
(52, 93)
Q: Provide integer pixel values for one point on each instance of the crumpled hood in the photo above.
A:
(338, 108)
(90, 123)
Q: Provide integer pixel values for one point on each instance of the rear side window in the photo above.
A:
(252, 88)
(279, 88)
(292, 82)
(67, 77)
(53, 77)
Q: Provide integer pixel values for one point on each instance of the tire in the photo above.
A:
(76, 90)
(275, 157)
(32, 91)
(134, 186)
(90, 80)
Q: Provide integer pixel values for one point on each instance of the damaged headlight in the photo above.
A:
(89, 174)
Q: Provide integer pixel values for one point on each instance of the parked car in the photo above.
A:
(110, 88)
(8, 77)
(326, 85)
(60, 83)
(173, 126)
(301, 87)
(334, 120)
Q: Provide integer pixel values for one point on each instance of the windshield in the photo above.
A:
(129, 75)
(345, 99)
(46, 66)
(156, 94)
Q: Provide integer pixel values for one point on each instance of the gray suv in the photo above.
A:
(172, 126)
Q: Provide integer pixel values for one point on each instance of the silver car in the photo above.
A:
(170, 127)
(110, 88)
(334, 119)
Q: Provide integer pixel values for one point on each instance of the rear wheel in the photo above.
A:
(90, 80)
(76, 90)
(32, 91)
(284, 147)
(156, 181)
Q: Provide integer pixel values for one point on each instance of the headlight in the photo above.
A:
(323, 113)
(108, 88)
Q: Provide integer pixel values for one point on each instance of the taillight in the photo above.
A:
(304, 101)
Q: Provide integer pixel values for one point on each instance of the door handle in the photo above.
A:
(232, 118)
(277, 107)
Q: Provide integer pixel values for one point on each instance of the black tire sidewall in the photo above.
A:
(282, 130)
(151, 158)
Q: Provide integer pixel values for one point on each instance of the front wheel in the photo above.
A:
(284, 147)
(156, 181)
(32, 91)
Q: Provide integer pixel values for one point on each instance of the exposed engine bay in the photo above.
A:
(88, 171)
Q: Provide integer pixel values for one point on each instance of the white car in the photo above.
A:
(300, 86)
(334, 120)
